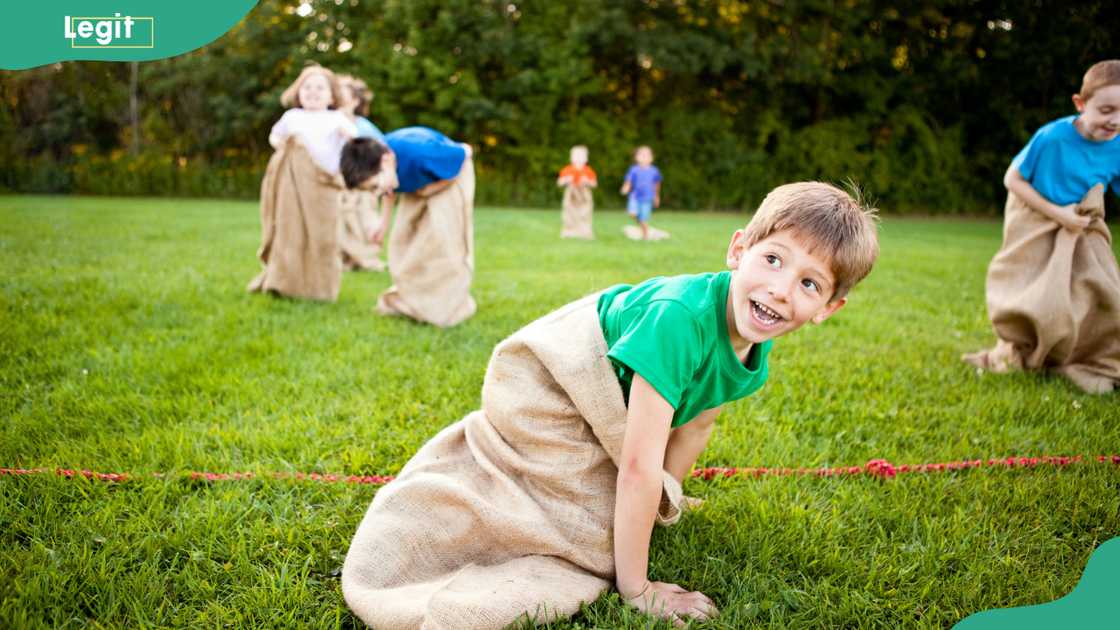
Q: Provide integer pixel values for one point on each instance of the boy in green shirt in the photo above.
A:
(591, 418)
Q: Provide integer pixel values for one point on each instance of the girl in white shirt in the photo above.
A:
(320, 128)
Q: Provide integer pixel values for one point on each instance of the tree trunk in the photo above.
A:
(134, 106)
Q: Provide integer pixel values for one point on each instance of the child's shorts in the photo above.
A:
(639, 209)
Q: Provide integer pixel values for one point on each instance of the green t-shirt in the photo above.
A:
(673, 331)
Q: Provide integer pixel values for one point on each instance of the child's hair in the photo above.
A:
(359, 91)
(829, 219)
(290, 97)
(1101, 74)
(361, 159)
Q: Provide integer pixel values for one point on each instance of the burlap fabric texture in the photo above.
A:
(1054, 297)
(299, 227)
(509, 511)
(431, 255)
(576, 210)
(357, 218)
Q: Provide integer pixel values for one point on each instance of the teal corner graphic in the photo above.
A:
(50, 31)
(1093, 603)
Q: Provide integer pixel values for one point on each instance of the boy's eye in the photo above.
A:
(811, 285)
(773, 261)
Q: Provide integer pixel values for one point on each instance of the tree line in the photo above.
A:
(921, 103)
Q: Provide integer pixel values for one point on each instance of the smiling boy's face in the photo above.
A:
(1100, 114)
(777, 286)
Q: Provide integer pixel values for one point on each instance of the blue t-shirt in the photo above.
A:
(424, 156)
(1062, 165)
(367, 129)
(643, 182)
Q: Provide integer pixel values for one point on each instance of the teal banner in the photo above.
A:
(1092, 604)
(49, 31)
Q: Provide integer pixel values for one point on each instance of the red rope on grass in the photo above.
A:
(880, 468)
(883, 469)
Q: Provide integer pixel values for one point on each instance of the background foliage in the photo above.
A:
(923, 102)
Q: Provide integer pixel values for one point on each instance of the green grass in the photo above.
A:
(128, 343)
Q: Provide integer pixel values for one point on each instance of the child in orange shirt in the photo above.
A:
(578, 179)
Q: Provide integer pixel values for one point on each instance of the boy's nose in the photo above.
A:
(780, 290)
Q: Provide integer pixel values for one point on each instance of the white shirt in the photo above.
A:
(320, 131)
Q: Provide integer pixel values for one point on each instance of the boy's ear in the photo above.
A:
(829, 310)
(736, 249)
(1079, 103)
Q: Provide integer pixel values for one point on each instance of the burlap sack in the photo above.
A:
(431, 255)
(1054, 297)
(509, 511)
(357, 218)
(299, 227)
(576, 209)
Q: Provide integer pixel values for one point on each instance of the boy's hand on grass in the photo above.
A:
(662, 599)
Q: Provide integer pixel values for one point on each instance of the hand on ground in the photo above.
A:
(674, 603)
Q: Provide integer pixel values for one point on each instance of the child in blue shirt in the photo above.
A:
(431, 247)
(643, 185)
(1053, 289)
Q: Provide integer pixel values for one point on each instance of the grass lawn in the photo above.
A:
(128, 343)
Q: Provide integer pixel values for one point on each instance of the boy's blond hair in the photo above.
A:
(829, 219)
(1101, 74)
(290, 97)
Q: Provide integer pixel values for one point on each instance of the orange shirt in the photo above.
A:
(580, 176)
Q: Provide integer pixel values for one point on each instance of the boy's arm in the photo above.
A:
(387, 201)
(434, 187)
(657, 196)
(1065, 216)
(280, 131)
(687, 442)
(638, 496)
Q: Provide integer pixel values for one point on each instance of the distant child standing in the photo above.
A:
(577, 179)
(300, 189)
(357, 216)
(1054, 286)
(643, 185)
